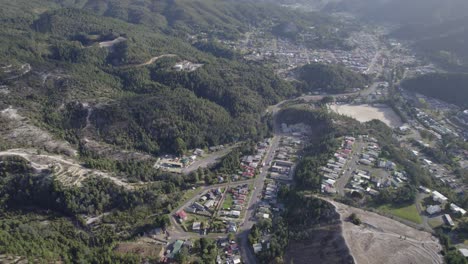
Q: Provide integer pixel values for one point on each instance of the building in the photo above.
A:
(209, 204)
(438, 197)
(176, 248)
(198, 206)
(182, 215)
(449, 220)
(424, 189)
(257, 247)
(464, 252)
(457, 209)
(365, 162)
(196, 226)
(199, 152)
(433, 209)
(235, 214)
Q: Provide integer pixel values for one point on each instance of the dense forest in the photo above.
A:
(41, 219)
(329, 78)
(449, 87)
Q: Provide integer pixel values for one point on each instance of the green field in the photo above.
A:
(228, 202)
(435, 222)
(409, 213)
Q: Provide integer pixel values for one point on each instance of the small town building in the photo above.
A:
(433, 209)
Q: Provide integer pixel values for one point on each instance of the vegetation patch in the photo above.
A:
(409, 213)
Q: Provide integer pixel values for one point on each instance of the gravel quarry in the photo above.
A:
(382, 240)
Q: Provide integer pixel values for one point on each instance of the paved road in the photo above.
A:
(311, 98)
(249, 220)
(210, 160)
(348, 169)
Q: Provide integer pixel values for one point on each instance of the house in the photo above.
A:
(235, 213)
(457, 209)
(182, 215)
(433, 209)
(196, 226)
(176, 248)
(236, 260)
(199, 152)
(438, 197)
(382, 164)
(424, 189)
(365, 162)
(191, 210)
(257, 248)
(330, 182)
(198, 206)
(209, 204)
(449, 220)
(464, 252)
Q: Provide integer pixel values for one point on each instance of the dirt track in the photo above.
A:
(382, 240)
(66, 170)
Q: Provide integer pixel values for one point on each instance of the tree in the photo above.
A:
(182, 256)
(180, 146)
(353, 218)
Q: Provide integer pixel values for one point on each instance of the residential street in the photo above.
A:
(348, 169)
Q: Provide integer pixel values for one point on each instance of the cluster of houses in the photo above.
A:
(440, 201)
(176, 164)
(282, 166)
(250, 163)
(231, 252)
(335, 166)
(433, 125)
(239, 195)
(204, 206)
(266, 209)
(371, 153)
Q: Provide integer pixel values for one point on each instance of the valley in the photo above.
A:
(231, 132)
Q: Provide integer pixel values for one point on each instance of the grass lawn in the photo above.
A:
(189, 195)
(409, 213)
(228, 202)
(435, 222)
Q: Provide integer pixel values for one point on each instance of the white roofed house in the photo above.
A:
(433, 209)
(438, 197)
(457, 209)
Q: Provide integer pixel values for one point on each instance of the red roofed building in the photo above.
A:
(182, 215)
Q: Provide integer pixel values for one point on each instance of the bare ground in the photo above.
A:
(364, 113)
(382, 240)
(20, 131)
(66, 170)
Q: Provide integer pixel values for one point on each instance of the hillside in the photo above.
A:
(452, 88)
(220, 102)
(329, 78)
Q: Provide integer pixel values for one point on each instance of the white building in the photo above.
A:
(438, 197)
(433, 209)
(457, 209)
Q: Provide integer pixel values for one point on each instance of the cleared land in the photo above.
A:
(382, 240)
(364, 113)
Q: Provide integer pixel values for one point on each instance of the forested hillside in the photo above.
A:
(449, 87)
(329, 78)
